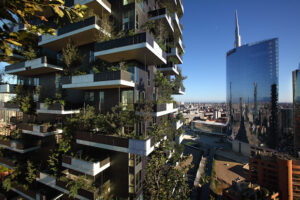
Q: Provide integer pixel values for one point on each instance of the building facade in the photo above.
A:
(296, 110)
(276, 172)
(122, 45)
(251, 70)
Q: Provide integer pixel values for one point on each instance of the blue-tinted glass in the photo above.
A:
(251, 71)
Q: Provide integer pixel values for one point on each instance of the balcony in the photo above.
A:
(60, 184)
(180, 44)
(177, 26)
(170, 68)
(181, 8)
(41, 130)
(163, 16)
(7, 162)
(9, 106)
(82, 32)
(140, 47)
(114, 143)
(158, 109)
(55, 109)
(26, 193)
(169, 4)
(98, 5)
(178, 124)
(180, 91)
(179, 138)
(175, 54)
(16, 56)
(7, 88)
(18, 145)
(34, 67)
(113, 79)
(91, 168)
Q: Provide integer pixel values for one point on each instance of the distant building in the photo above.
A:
(215, 127)
(245, 190)
(251, 70)
(286, 121)
(276, 172)
(296, 110)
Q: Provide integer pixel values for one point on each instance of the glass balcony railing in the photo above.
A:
(140, 47)
(101, 80)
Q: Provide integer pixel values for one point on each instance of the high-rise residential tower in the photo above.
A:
(251, 70)
(296, 110)
(69, 117)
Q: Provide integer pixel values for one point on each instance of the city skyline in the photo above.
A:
(205, 57)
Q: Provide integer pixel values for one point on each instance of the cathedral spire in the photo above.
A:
(238, 41)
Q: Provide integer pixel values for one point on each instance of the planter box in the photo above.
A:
(27, 192)
(126, 145)
(61, 184)
(5, 142)
(86, 167)
(8, 162)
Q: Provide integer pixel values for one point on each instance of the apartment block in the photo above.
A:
(122, 45)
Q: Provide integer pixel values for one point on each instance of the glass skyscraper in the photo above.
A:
(296, 110)
(251, 71)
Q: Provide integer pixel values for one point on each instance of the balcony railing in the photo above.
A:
(9, 106)
(115, 143)
(177, 23)
(140, 47)
(87, 167)
(40, 130)
(7, 88)
(57, 108)
(174, 52)
(178, 90)
(8, 162)
(19, 145)
(101, 80)
(169, 68)
(162, 14)
(34, 67)
(90, 3)
(158, 109)
(83, 32)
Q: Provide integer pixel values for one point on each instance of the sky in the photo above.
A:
(208, 34)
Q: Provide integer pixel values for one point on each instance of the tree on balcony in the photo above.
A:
(24, 98)
(178, 81)
(71, 57)
(165, 181)
(165, 88)
(15, 12)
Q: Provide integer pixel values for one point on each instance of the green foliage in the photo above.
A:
(6, 184)
(161, 181)
(74, 185)
(29, 54)
(165, 88)
(24, 98)
(178, 81)
(16, 134)
(71, 58)
(14, 12)
(57, 99)
(54, 163)
(31, 172)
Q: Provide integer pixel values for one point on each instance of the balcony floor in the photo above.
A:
(81, 36)
(100, 85)
(142, 52)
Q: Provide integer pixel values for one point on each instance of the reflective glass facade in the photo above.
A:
(296, 111)
(251, 71)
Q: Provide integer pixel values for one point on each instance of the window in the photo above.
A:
(101, 100)
(89, 96)
(126, 2)
(127, 97)
(138, 181)
(128, 20)
(92, 57)
(138, 159)
(136, 75)
(149, 77)
(57, 82)
(137, 20)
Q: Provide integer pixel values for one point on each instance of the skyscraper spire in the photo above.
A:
(238, 41)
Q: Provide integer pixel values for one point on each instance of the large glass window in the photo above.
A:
(128, 20)
(127, 97)
(126, 2)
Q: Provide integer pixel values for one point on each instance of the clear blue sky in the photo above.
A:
(209, 33)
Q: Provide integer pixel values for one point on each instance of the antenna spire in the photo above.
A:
(238, 41)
